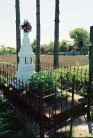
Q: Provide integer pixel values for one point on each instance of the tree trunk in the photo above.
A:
(38, 34)
(56, 35)
(18, 37)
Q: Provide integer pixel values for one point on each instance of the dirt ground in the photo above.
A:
(63, 60)
(82, 128)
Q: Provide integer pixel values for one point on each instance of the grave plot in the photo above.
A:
(55, 109)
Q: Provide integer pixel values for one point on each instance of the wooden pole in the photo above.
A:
(18, 36)
(56, 35)
(38, 34)
(90, 72)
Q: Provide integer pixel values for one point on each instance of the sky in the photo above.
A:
(73, 14)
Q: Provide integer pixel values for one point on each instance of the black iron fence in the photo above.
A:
(51, 98)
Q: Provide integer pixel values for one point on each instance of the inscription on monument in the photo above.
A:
(28, 68)
(28, 60)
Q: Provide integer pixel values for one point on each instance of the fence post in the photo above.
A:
(0, 73)
(41, 111)
(7, 76)
(72, 104)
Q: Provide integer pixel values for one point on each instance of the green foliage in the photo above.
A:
(79, 34)
(63, 78)
(4, 127)
(2, 49)
(11, 50)
(44, 49)
(33, 44)
(1, 99)
(51, 47)
(74, 76)
(3, 130)
(91, 113)
(2, 80)
(40, 79)
(12, 124)
(7, 50)
(64, 46)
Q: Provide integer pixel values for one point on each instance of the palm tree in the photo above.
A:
(38, 34)
(18, 40)
(56, 35)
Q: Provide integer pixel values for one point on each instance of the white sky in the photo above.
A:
(73, 14)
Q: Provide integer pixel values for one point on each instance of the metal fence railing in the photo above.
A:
(51, 98)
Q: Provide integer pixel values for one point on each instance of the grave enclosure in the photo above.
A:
(71, 95)
(50, 111)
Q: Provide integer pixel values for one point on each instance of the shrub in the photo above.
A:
(3, 130)
(40, 79)
(74, 76)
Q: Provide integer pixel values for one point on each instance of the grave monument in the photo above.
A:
(26, 67)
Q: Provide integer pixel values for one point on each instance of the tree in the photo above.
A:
(51, 47)
(38, 34)
(3, 49)
(44, 49)
(10, 50)
(18, 37)
(64, 46)
(56, 35)
(79, 34)
(33, 44)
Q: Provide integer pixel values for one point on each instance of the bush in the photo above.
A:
(40, 79)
